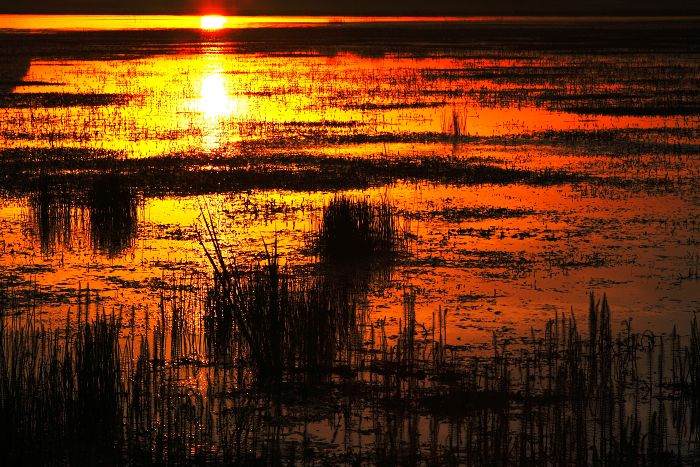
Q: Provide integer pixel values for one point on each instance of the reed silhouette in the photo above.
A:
(113, 212)
(98, 392)
(104, 216)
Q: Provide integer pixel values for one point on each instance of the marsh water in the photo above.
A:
(604, 131)
(530, 161)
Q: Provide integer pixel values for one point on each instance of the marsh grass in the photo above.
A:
(274, 352)
(284, 324)
(54, 215)
(353, 229)
(113, 214)
(59, 392)
(280, 353)
(96, 392)
(60, 100)
(104, 216)
(203, 174)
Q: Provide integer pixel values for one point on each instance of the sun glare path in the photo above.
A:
(214, 101)
(211, 22)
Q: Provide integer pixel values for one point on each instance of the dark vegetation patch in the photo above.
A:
(324, 123)
(19, 294)
(596, 259)
(126, 397)
(25, 171)
(391, 106)
(459, 403)
(287, 324)
(13, 83)
(617, 141)
(104, 205)
(568, 83)
(59, 99)
(634, 109)
(357, 229)
(490, 260)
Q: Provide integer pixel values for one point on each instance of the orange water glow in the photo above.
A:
(178, 101)
(501, 273)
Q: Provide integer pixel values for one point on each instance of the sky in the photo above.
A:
(354, 7)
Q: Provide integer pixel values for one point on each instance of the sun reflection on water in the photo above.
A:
(214, 101)
(218, 106)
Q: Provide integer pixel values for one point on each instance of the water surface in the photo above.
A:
(594, 141)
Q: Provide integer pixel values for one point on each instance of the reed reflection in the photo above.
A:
(54, 215)
(113, 210)
(103, 216)
(14, 69)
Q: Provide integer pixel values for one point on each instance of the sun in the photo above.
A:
(211, 22)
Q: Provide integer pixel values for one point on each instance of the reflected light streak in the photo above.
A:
(215, 104)
(214, 101)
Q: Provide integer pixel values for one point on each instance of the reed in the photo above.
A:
(96, 392)
(283, 324)
(357, 229)
(113, 212)
(60, 392)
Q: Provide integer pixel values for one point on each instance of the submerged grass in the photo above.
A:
(105, 210)
(279, 354)
(206, 174)
(60, 398)
(113, 213)
(34, 100)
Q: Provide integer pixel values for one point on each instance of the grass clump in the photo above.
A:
(113, 212)
(358, 229)
(83, 395)
(279, 323)
(60, 398)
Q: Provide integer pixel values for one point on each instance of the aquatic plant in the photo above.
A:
(284, 324)
(564, 397)
(113, 213)
(358, 229)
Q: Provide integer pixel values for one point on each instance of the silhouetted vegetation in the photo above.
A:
(284, 324)
(303, 355)
(85, 394)
(358, 230)
(54, 215)
(193, 175)
(105, 214)
(113, 214)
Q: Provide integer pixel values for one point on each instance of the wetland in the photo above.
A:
(328, 241)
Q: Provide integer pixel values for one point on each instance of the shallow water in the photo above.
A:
(498, 255)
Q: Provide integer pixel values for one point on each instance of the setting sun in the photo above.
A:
(212, 22)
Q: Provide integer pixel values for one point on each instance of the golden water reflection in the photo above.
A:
(180, 103)
(542, 258)
(215, 103)
(494, 273)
